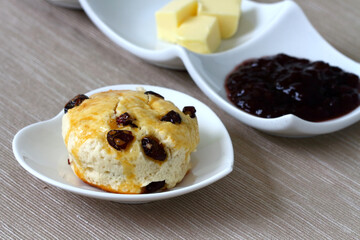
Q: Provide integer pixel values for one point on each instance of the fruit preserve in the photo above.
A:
(274, 86)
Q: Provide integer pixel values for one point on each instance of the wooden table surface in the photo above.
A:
(280, 188)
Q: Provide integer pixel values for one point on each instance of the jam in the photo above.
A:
(274, 86)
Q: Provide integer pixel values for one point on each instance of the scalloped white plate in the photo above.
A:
(39, 148)
(264, 29)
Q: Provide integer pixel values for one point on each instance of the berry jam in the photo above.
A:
(274, 86)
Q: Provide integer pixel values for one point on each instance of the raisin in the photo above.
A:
(190, 110)
(153, 93)
(154, 186)
(68, 161)
(119, 139)
(172, 117)
(154, 149)
(125, 119)
(76, 101)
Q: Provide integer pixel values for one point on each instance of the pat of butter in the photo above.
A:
(171, 16)
(227, 12)
(199, 34)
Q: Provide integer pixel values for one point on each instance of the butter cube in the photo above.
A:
(226, 11)
(171, 16)
(199, 34)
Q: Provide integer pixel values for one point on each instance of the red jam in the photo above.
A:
(274, 86)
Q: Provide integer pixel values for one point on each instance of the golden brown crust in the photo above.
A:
(106, 188)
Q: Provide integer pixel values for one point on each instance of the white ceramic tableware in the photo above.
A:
(264, 29)
(39, 148)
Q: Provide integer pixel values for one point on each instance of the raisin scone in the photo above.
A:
(126, 141)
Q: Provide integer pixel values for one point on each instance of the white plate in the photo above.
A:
(264, 29)
(131, 25)
(39, 148)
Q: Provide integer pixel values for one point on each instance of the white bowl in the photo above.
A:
(39, 148)
(264, 29)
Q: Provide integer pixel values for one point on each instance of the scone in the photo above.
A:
(127, 141)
